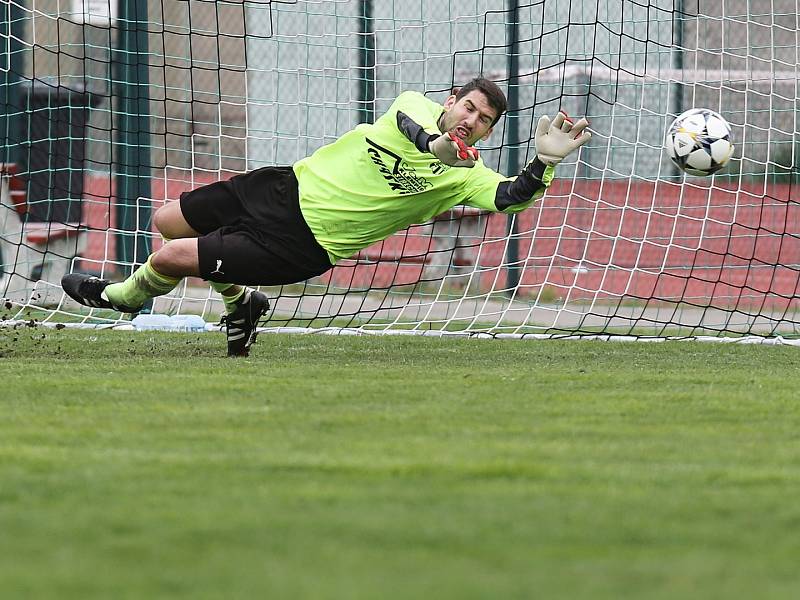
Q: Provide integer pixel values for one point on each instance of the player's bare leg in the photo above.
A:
(176, 259)
(171, 223)
(179, 258)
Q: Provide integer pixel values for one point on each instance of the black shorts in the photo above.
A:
(252, 230)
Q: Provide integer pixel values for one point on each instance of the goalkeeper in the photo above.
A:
(281, 225)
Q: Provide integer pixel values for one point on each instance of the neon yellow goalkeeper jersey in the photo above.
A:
(373, 182)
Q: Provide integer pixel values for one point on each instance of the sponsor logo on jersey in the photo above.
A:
(438, 167)
(399, 175)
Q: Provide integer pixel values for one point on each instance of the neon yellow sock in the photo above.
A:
(145, 283)
(231, 294)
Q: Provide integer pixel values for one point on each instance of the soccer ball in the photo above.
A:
(699, 141)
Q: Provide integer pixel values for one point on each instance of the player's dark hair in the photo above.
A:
(494, 95)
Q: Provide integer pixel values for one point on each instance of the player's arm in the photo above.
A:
(447, 147)
(414, 131)
(554, 141)
(527, 187)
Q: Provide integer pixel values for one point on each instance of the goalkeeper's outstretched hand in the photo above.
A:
(453, 151)
(557, 139)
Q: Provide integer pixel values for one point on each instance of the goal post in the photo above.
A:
(622, 245)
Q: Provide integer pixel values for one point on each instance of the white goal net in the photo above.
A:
(107, 116)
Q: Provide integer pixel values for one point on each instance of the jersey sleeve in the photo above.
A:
(414, 132)
(418, 109)
(488, 190)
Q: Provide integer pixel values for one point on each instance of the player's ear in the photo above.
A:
(488, 133)
(450, 102)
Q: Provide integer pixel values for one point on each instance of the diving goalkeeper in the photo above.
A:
(281, 225)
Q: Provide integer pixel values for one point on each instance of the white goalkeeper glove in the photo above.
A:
(451, 150)
(558, 139)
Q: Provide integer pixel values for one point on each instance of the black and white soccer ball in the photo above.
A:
(699, 141)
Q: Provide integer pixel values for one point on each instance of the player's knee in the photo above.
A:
(167, 260)
(177, 258)
(162, 260)
(170, 223)
(161, 221)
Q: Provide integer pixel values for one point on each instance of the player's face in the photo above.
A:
(470, 118)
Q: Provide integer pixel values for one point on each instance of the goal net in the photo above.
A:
(109, 108)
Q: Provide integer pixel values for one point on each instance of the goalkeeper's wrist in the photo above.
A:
(536, 169)
(524, 188)
(431, 137)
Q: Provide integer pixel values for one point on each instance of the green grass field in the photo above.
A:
(136, 465)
